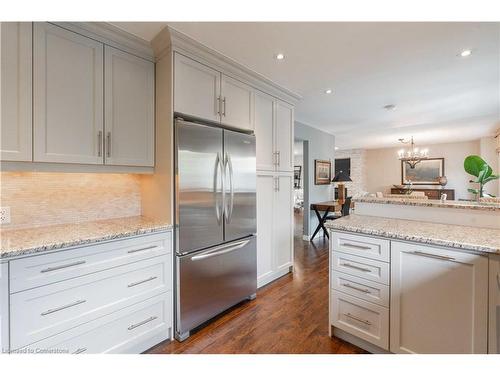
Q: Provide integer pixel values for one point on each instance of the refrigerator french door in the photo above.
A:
(215, 222)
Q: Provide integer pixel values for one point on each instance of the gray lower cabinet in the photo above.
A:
(405, 297)
(114, 297)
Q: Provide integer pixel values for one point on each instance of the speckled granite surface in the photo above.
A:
(19, 242)
(431, 203)
(455, 236)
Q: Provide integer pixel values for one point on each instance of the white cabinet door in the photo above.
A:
(264, 135)
(284, 136)
(16, 91)
(283, 222)
(4, 308)
(67, 95)
(237, 104)
(438, 300)
(196, 89)
(494, 301)
(265, 254)
(129, 109)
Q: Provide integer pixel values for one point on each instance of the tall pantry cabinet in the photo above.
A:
(274, 143)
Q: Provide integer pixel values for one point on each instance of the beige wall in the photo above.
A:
(487, 148)
(40, 198)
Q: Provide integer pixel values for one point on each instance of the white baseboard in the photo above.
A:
(306, 237)
(271, 276)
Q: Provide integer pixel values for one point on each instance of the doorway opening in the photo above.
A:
(299, 185)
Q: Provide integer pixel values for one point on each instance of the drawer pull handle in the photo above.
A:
(141, 249)
(79, 302)
(356, 267)
(356, 288)
(134, 326)
(50, 269)
(80, 350)
(142, 281)
(367, 322)
(442, 257)
(355, 246)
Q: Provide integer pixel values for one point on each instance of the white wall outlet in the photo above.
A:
(4, 215)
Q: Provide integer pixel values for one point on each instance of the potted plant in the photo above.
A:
(477, 167)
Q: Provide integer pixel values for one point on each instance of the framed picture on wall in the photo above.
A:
(427, 172)
(322, 172)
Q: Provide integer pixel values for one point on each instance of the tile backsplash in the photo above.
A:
(39, 198)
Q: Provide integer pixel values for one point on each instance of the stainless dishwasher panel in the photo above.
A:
(212, 280)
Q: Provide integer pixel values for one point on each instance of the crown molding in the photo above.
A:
(112, 36)
(171, 39)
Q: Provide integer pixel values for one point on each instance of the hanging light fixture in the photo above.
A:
(413, 155)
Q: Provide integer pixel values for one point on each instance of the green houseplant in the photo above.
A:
(477, 167)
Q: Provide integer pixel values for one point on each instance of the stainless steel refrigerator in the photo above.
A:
(215, 222)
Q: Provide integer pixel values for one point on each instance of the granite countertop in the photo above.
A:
(18, 242)
(431, 203)
(455, 236)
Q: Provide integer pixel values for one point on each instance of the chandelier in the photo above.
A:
(413, 155)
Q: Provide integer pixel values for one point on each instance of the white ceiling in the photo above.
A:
(439, 96)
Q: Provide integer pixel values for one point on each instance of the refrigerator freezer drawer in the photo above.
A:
(212, 280)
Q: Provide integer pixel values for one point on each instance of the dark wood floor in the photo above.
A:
(289, 315)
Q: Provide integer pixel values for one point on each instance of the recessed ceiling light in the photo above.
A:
(328, 91)
(390, 107)
(465, 53)
(336, 148)
(280, 56)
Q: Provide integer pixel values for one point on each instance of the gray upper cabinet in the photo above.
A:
(205, 93)
(237, 103)
(129, 109)
(196, 89)
(67, 96)
(16, 84)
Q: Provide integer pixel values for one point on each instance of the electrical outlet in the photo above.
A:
(4, 215)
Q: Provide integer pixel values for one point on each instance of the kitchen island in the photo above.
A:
(415, 286)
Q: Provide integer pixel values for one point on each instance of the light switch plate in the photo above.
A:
(4, 215)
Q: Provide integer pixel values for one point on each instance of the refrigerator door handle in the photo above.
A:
(219, 250)
(229, 164)
(218, 166)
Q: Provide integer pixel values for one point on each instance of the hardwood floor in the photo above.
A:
(289, 315)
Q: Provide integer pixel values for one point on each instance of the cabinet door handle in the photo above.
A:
(442, 257)
(142, 281)
(279, 158)
(50, 269)
(51, 311)
(367, 291)
(224, 107)
(367, 322)
(498, 279)
(141, 249)
(355, 267)
(355, 246)
(217, 105)
(80, 350)
(108, 144)
(134, 326)
(99, 143)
